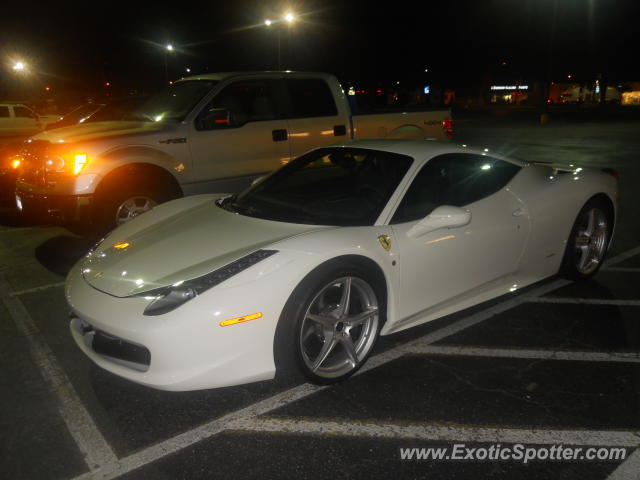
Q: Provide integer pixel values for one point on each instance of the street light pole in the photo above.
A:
(167, 50)
(289, 18)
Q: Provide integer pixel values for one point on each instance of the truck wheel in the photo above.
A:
(121, 204)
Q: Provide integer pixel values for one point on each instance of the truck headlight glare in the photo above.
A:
(80, 160)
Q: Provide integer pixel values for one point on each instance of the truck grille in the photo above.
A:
(33, 167)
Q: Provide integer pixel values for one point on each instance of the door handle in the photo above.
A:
(339, 131)
(279, 135)
(518, 212)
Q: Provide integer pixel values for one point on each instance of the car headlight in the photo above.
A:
(169, 298)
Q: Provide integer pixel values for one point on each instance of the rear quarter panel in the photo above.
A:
(553, 201)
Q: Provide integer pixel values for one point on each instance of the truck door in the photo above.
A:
(238, 135)
(314, 119)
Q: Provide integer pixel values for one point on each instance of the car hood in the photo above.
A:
(99, 130)
(178, 241)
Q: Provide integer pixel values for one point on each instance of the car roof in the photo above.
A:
(422, 150)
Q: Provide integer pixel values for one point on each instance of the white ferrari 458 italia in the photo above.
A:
(301, 272)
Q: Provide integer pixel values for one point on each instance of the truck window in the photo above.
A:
(237, 104)
(172, 104)
(310, 97)
(4, 112)
(23, 112)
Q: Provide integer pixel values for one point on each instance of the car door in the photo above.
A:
(26, 122)
(240, 133)
(313, 117)
(451, 262)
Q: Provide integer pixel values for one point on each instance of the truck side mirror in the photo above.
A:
(213, 118)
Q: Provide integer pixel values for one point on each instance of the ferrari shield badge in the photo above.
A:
(385, 241)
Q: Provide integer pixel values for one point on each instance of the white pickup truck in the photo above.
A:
(207, 133)
(17, 120)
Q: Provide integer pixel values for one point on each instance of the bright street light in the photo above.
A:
(289, 17)
(170, 47)
(19, 67)
(267, 22)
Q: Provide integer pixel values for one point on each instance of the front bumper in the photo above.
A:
(7, 187)
(182, 350)
(59, 209)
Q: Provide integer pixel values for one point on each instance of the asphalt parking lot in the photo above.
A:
(556, 364)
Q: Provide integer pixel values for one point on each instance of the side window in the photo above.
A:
(456, 179)
(23, 112)
(310, 97)
(238, 104)
(4, 112)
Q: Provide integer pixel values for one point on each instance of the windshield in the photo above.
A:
(330, 186)
(172, 104)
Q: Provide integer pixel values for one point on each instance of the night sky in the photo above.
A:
(461, 42)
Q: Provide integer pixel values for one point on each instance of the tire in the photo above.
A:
(588, 241)
(119, 204)
(320, 339)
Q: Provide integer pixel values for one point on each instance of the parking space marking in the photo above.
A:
(37, 289)
(81, 426)
(623, 269)
(462, 324)
(580, 356)
(587, 301)
(207, 430)
(450, 433)
(629, 469)
(621, 257)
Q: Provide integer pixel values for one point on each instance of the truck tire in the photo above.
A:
(117, 204)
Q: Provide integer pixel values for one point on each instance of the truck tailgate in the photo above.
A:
(432, 124)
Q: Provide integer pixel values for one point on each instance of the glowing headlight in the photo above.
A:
(79, 161)
(69, 163)
(169, 298)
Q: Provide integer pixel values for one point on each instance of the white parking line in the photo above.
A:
(186, 439)
(623, 269)
(447, 433)
(84, 431)
(578, 356)
(621, 257)
(587, 301)
(37, 289)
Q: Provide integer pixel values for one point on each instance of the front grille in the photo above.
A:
(33, 167)
(120, 349)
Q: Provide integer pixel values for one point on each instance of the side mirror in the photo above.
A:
(213, 119)
(445, 216)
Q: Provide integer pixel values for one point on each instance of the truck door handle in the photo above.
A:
(279, 135)
(339, 131)
(518, 212)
